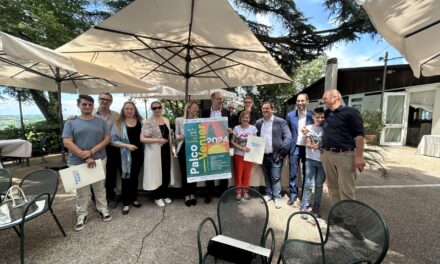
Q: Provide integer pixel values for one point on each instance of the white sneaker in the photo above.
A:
(80, 222)
(159, 202)
(106, 216)
(277, 203)
(267, 198)
(167, 200)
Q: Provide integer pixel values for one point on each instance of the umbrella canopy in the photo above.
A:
(27, 65)
(173, 94)
(189, 45)
(412, 27)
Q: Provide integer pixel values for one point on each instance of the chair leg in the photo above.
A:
(58, 222)
(22, 243)
(16, 231)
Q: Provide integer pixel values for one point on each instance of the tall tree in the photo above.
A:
(49, 23)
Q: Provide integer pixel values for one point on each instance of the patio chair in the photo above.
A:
(356, 233)
(5, 182)
(41, 186)
(241, 223)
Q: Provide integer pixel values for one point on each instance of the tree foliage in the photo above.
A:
(49, 23)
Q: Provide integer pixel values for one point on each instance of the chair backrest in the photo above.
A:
(41, 181)
(355, 232)
(5, 180)
(245, 220)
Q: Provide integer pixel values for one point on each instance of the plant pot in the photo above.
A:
(371, 139)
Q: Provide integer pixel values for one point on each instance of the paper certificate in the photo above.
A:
(79, 176)
(257, 146)
(207, 149)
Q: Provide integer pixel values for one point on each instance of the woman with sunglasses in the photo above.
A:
(189, 189)
(157, 160)
(125, 135)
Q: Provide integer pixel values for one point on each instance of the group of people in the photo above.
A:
(329, 144)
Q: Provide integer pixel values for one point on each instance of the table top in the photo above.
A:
(15, 148)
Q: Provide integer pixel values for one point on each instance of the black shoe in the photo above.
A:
(354, 231)
(112, 204)
(136, 204)
(188, 203)
(193, 201)
(208, 199)
(291, 201)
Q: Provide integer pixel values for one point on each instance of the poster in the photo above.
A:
(80, 175)
(207, 149)
(257, 146)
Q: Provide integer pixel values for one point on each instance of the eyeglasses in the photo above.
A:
(105, 99)
(156, 108)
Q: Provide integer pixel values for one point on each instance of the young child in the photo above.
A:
(314, 169)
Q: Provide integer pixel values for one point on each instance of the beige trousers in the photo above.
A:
(83, 196)
(340, 174)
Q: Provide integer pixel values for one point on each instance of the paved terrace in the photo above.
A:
(408, 200)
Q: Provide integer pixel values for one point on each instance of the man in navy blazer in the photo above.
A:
(217, 110)
(278, 137)
(296, 120)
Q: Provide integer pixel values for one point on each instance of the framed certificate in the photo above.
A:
(257, 146)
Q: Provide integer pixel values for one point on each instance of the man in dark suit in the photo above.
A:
(217, 110)
(278, 137)
(297, 120)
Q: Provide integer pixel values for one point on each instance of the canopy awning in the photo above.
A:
(173, 94)
(412, 27)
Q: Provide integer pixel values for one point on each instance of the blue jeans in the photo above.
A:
(295, 158)
(314, 174)
(272, 176)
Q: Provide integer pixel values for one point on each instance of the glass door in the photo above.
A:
(395, 118)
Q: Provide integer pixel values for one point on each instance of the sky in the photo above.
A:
(363, 52)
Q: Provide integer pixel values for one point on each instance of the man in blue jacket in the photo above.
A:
(296, 120)
(277, 135)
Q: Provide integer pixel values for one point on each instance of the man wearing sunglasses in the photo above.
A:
(217, 110)
(113, 153)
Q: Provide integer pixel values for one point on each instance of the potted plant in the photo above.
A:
(373, 125)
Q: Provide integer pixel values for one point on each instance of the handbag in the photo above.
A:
(5, 217)
(16, 203)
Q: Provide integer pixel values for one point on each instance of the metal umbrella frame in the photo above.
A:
(187, 45)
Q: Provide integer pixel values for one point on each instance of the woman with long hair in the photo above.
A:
(157, 161)
(125, 135)
(243, 168)
(189, 189)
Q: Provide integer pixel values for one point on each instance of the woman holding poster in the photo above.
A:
(243, 168)
(157, 161)
(189, 189)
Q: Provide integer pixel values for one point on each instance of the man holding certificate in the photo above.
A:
(278, 136)
(86, 138)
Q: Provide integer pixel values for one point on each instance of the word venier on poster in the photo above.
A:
(207, 149)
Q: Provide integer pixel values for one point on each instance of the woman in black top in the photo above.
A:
(125, 135)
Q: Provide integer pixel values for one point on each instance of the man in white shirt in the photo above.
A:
(278, 137)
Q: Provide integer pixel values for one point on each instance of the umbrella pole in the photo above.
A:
(145, 105)
(19, 91)
(60, 112)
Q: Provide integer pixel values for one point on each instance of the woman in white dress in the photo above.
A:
(157, 159)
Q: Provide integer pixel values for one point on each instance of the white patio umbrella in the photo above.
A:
(173, 94)
(190, 45)
(412, 27)
(27, 65)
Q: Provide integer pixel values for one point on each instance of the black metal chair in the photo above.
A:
(356, 233)
(41, 186)
(5, 182)
(245, 220)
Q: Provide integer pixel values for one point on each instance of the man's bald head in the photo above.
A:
(332, 99)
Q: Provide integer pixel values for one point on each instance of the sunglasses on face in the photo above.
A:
(105, 99)
(156, 108)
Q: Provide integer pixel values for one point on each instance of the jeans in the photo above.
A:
(314, 174)
(272, 175)
(295, 159)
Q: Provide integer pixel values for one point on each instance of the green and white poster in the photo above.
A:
(207, 149)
